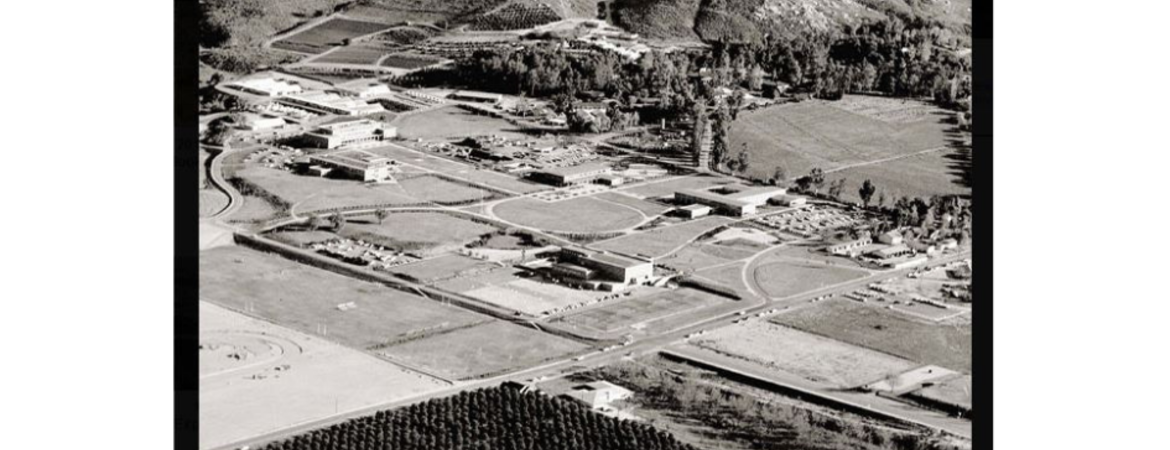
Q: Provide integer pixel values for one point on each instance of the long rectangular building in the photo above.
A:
(578, 174)
(330, 103)
(338, 134)
(357, 164)
(595, 265)
(734, 199)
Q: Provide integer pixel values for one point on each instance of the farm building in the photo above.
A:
(568, 176)
(890, 238)
(693, 211)
(267, 87)
(337, 134)
(598, 394)
(330, 103)
(849, 248)
(599, 266)
(357, 164)
(478, 97)
(735, 200)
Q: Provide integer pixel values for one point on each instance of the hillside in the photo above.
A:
(749, 20)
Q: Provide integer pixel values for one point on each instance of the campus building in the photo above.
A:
(849, 248)
(262, 123)
(364, 88)
(478, 97)
(598, 394)
(356, 164)
(330, 103)
(267, 87)
(337, 134)
(733, 199)
(693, 211)
(611, 270)
(568, 176)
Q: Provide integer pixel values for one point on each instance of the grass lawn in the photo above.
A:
(436, 189)
(943, 172)
(482, 350)
(308, 193)
(647, 208)
(582, 214)
(416, 230)
(941, 344)
(355, 54)
(667, 188)
(811, 357)
(826, 134)
(305, 298)
(646, 308)
(662, 241)
(211, 201)
(781, 279)
(441, 267)
(451, 122)
(699, 256)
(328, 34)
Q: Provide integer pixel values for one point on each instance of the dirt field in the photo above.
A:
(956, 391)
(482, 350)
(450, 122)
(436, 189)
(946, 344)
(256, 377)
(626, 313)
(781, 279)
(327, 34)
(831, 134)
(808, 356)
(662, 241)
(305, 298)
(417, 230)
(667, 188)
(576, 215)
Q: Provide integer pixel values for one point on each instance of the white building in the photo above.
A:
(732, 199)
(330, 103)
(598, 394)
(365, 88)
(268, 87)
(257, 123)
(356, 131)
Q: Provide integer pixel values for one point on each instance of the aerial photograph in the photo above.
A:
(585, 225)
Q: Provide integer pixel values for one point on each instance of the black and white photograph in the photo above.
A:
(582, 224)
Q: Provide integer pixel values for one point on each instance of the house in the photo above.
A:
(598, 394)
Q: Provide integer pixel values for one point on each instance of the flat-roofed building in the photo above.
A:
(268, 87)
(478, 97)
(893, 251)
(357, 164)
(337, 134)
(849, 248)
(263, 123)
(733, 199)
(693, 211)
(607, 266)
(598, 394)
(364, 88)
(568, 176)
(890, 238)
(330, 103)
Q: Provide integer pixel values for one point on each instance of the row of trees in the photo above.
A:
(497, 418)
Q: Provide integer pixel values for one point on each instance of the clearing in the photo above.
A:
(781, 279)
(483, 350)
(409, 231)
(580, 215)
(453, 122)
(662, 241)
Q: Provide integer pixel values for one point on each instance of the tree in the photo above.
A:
(866, 192)
(314, 222)
(835, 189)
(882, 199)
(780, 175)
(817, 179)
(381, 214)
(743, 159)
(337, 221)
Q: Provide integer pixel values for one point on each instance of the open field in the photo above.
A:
(810, 252)
(457, 169)
(409, 61)
(211, 201)
(256, 377)
(647, 308)
(936, 173)
(329, 33)
(417, 230)
(946, 345)
(700, 256)
(811, 357)
(782, 278)
(451, 122)
(482, 350)
(314, 193)
(955, 391)
(531, 296)
(301, 238)
(253, 209)
(364, 53)
(662, 241)
(442, 267)
(646, 207)
(730, 275)
(825, 134)
(667, 188)
(305, 298)
(435, 189)
(582, 214)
